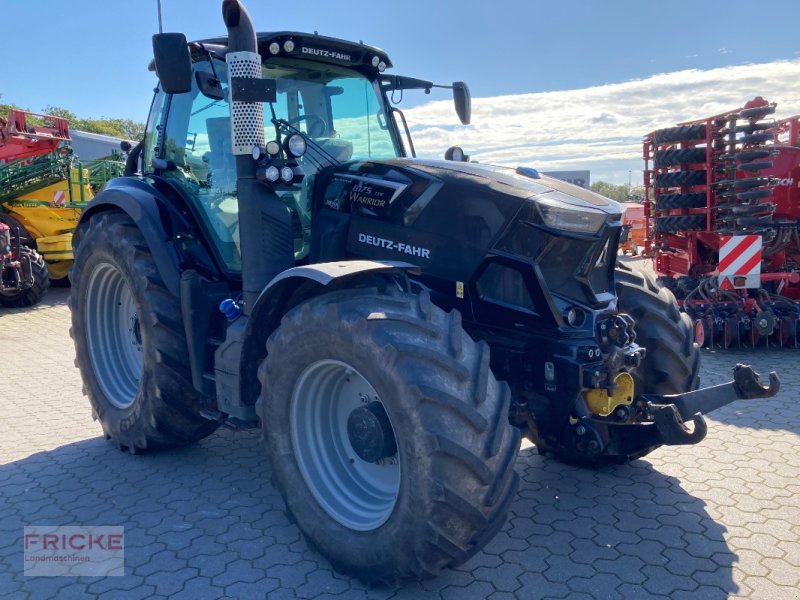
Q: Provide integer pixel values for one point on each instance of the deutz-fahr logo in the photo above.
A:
(322, 53)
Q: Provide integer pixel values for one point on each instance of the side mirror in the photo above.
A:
(125, 146)
(209, 85)
(173, 62)
(463, 102)
(455, 153)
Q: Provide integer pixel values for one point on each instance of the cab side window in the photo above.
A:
(197, 146)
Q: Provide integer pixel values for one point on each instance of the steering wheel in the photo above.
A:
(316, 126)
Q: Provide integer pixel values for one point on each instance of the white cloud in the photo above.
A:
(598, 128)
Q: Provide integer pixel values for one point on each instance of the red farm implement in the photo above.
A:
(723, 223)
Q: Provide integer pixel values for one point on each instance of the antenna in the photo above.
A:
(160, 28)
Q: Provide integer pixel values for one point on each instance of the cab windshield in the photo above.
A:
(337, 108)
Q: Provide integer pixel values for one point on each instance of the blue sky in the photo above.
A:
(90, 56)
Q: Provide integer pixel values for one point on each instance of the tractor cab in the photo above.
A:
(328, 96)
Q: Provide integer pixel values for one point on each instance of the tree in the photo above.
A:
(620, 193)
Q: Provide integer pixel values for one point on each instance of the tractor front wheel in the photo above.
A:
(129, 341)
(387, 432)
(672, 362)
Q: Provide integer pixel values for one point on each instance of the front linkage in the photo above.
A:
(665, 417)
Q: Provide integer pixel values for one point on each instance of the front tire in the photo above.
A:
(672, 362)
(129, 341)
(445, 491)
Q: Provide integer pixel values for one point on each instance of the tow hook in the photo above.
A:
(673, 429)
(671, 412)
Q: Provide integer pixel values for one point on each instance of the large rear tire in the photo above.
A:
(36, 291)
(129, 341)
(436, 496)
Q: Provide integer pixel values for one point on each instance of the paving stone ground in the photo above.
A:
(716, 520)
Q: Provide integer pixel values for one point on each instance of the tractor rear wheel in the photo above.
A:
(387, 432)
(41, 282)
(129, 341)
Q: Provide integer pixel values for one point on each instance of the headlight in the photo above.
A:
(273, 148)
(272, 174)
(570, 217)
(296, 145)
(287, 174)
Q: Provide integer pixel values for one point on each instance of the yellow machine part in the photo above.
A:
(602, 404)
(58, 270)
(55, 247)
(48, 214)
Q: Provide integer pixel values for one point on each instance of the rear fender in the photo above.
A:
(157, 216)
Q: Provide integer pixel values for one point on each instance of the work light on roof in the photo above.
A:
(287, 174)
(274, 48)
(288, 46)
(376, 61)
(381, 66)
(296, 145)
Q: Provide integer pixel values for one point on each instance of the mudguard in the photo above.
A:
(149, 205)
(274, 301)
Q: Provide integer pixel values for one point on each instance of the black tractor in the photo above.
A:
(275, 257)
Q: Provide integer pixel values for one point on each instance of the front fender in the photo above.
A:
(284, 292)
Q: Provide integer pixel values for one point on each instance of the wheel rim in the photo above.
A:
(357, 494)
(114, 335)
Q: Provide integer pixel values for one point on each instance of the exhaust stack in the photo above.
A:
(265, 226)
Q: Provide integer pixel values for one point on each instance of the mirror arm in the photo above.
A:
(408, 132)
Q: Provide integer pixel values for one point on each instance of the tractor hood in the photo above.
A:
(447, 217)
(520, 182)
(402, 190)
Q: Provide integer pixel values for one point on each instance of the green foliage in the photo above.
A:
(620, 193)
(122, 128)
(5, 109)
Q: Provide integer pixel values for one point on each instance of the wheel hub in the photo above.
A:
(370, 432)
